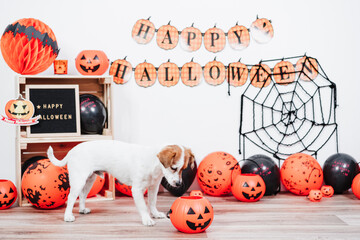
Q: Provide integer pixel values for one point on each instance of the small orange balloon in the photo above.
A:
(214, 73)
(237, 73)
(284, 72)
(121, 71)
(191, 74)
(168, 74)
(214, 40)
(355, 186)
(190, 39)
(308, 68)
(167, 37)
(260, 75)
(145, 74)
(143, 31)
(238, 37)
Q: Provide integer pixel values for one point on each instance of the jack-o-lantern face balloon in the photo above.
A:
(248, 187)
(192, 214)
(327, 191)
(19, 109)
(92, 62)
(8, 193)
(315, 195)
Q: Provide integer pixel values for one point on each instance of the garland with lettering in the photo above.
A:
(215, 72)
(191, 38)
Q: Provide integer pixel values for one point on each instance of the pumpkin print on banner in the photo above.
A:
(8, 194)
(143, 31)
(191, 39)
(167, 37)
(260, 75)
(214, 40)
(237, 74)
(92, 62)
(168, 74)
(121, 71)
(284, 73)
(307, 68)
(29, 46)
(145, 74)
(262, 30)
(238, 37)
(19, 108)
(191, 73)
(214, 73)
(193, 214)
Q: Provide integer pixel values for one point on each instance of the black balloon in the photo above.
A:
(339, 171)
(30, 161)
(188, 176)
(92, 114)
(267, 169)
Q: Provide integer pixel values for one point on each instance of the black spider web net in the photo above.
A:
(287, 119)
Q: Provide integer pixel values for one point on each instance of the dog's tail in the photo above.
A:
(54, 160)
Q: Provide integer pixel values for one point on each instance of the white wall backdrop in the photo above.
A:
(204, 118)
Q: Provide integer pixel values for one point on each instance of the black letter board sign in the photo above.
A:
(58, 107)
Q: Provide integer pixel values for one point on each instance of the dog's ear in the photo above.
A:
(169, 155)
(190, 158)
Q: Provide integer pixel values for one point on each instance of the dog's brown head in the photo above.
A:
(175, 159)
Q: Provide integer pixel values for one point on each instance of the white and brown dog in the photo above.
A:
(138, 166)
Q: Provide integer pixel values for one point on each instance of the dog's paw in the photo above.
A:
(147, 221)
(69, 218)
(85, 211)
(158, 215)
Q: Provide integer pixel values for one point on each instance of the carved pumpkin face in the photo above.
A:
(248, 187)
(315, 195)
(45, 185)
(60, 67)
(192, 214)
(327, 191)
(8, 193)
(19, 109)
(92, 62)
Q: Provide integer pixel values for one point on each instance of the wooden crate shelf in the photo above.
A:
(27, 147)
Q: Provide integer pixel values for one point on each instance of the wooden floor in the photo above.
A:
(284, 216)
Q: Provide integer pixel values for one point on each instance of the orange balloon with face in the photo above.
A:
(315, 195)
(8, 193)
(327, 191)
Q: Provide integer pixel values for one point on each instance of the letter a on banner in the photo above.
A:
(145, 74)
(143, 31)
(168, 74)
(191, 74)
(190, 39)
(167, 37)
(121, 71)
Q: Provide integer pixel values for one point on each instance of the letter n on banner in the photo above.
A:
(143, 31)
(121, 71)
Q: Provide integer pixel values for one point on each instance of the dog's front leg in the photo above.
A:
(138, 195)
(152, 198)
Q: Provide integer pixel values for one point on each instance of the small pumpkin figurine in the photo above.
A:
(248, 187)
(192, 214)
(327, 191)
(60, 66)
(19, 108)
(315, 195)
(196, 193)
(8, 193)
(92, 62)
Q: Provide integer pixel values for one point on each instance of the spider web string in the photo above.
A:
(310, 104)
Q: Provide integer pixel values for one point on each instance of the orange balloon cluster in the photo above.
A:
(29, 46)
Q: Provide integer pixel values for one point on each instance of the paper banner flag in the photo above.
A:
(262, 30)
(143, 31)
(167, 37)
(190, 39)
(260, 75)
(191, 73)
(121, 71)
(214, 73)
(237, 74)
(168, 74)
(308, 68)
(238, 37)
(145, 74)
(214, 40)
(284, 72)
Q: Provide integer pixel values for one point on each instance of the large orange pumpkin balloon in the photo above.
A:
(8, 193)
(92, 62)
(215, 173)
(355, 186)
(192, 214)
(248, 187)
(97, 186)
(45, 185)
(301, 173)
(29, 46)
(19, 109)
